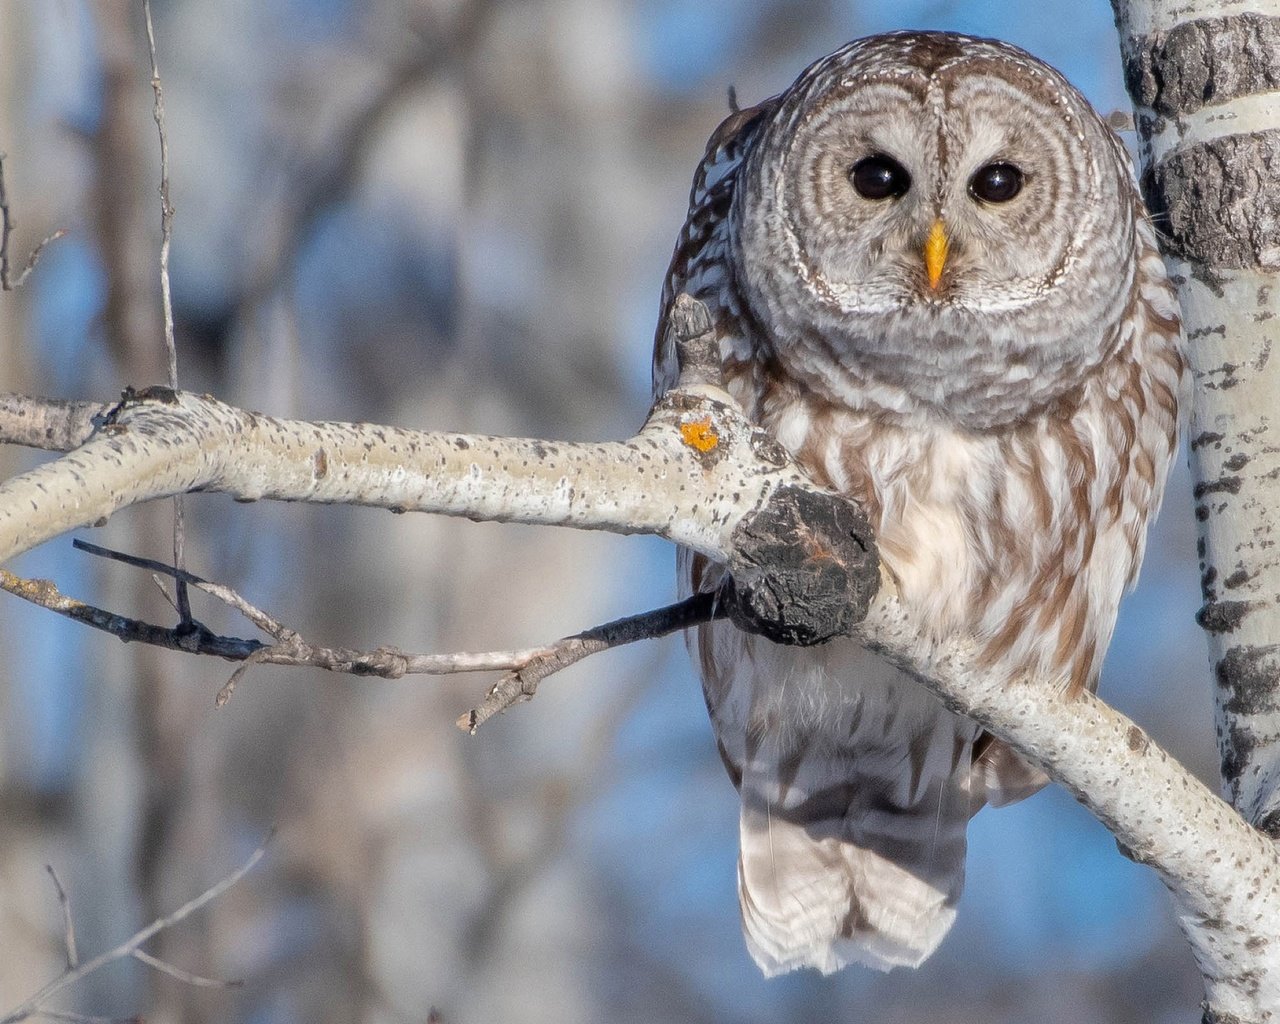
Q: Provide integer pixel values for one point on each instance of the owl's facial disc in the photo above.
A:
(872, 164)
(918, 204)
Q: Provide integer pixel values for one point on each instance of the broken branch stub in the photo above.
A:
(804, 570)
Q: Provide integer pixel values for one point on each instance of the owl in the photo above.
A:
(932, 279)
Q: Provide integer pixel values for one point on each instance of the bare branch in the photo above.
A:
(522, 683)
(68, 926)
(166, 298)
(7, 224)
(527, 667)
(197, 640)
(34, 1006)
(166, 207)
(229, 687)
(186, 977)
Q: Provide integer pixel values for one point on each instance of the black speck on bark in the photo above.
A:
(1237, 579)
(1226, 484)
(1222, 616)
(1135, 739)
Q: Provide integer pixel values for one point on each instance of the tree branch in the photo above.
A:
(34, 1006)
(1224, 875)
(521, 683)
(698, 473)
(526, 667)
(49, 423)
(802, 565)
(7, 282)
(68, 924)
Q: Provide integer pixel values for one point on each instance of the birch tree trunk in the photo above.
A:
(1205, 81)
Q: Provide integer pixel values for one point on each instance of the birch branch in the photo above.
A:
(803, 569)
(698, 473)
(1224, 875)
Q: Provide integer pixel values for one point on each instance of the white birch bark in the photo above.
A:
(654, 483)
(1205, 78)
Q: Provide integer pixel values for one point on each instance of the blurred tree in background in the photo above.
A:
(455, 214)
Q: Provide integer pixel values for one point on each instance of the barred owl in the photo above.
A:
(931, 277)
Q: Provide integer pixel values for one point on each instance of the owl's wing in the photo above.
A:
(1000, 775)
(700, 264)
(855, 798)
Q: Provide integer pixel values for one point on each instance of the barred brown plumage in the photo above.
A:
(1007, 419)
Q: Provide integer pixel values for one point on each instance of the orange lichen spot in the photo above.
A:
(700, 434)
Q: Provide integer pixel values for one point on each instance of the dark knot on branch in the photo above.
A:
(804, 570)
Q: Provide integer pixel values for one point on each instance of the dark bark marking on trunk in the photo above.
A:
(1249, 672)
(1218, 202)
(1220, 616)
(1200, 63)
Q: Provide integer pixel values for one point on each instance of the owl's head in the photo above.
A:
(928, 214)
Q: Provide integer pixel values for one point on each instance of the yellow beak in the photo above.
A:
(935, 253)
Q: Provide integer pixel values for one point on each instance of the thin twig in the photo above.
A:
(229, 687)
(166, 207)
(32, 1006)
(7, 224)
(196, 640)
(164, 590)
(68, 926)
(166, 301)
(186, 977)
(521, 684)
(223, 593)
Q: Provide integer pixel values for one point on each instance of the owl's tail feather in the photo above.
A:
(855, 857)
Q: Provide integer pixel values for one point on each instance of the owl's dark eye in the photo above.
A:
(879, 177)
(996, 183)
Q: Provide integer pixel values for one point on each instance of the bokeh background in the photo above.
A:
(456, 214)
